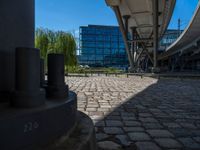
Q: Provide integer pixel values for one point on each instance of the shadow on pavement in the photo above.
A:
(166, 115)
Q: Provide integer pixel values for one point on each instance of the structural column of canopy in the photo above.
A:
(124, 27)
(155, 31)
(124, 30)
(145, 15)
(131, 47)
(134, 45)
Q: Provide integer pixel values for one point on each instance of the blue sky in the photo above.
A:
(184, 10)
(68, 15)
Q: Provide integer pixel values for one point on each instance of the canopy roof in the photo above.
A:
(141, 12)
(150, 18)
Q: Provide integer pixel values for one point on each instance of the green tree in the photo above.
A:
(42, 42)
(52, 36)
(56, 42)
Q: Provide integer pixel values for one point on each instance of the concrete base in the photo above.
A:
(82, 137)
(25, 129)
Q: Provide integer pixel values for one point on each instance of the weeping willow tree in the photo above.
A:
(52, 36)
(56, 42)
(42, 42)
(66, 44)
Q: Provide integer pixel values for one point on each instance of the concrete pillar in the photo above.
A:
(16, 30)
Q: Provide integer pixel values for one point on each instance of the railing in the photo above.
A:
(142, 75)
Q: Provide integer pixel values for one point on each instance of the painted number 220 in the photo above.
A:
(30, 126)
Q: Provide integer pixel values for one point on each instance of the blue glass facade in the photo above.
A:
(102, 46)
(169, 37)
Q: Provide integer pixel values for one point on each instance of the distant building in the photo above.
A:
(102, 46)
(169, 37)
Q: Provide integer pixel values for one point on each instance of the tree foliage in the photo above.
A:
(49, 41)
(42, 42)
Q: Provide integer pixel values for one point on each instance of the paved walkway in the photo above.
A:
(145, 114)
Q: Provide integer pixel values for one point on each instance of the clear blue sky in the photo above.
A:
(184, 10)
(68, 15)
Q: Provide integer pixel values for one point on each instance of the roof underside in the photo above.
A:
(141, 12)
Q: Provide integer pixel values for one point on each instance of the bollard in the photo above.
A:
(56, 80)
(42, 74)
(27, 87)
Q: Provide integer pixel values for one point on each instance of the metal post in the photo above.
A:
(133, 45)
(27, 88)
(126, 24)
(56, 80)
(126, 19)
(155, 30)
(42, 74)
(121, 25)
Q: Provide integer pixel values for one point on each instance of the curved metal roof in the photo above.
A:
(189, 39)
(141, 12)
(150, 18)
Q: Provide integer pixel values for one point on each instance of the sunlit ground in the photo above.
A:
(145, 113)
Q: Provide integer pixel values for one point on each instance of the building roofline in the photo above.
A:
(92, 25)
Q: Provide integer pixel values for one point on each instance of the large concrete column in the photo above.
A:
(16, 30)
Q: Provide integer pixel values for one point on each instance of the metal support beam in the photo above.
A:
(144, 49)
(141, 40)
(122, 28)
(155, 31)
(139, 55)
(141, 12)
(126, 19)
(146, 26)
(133, 44)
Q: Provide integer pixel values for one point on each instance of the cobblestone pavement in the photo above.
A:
(145, 114)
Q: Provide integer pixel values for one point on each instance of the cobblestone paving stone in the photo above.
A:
(141, 113)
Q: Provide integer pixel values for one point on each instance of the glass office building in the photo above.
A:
(102, 46)
(169, 37)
